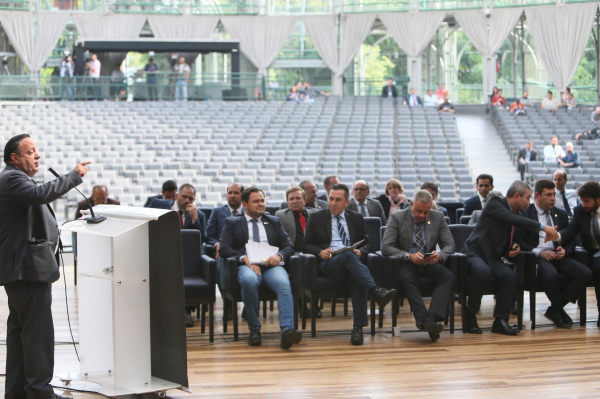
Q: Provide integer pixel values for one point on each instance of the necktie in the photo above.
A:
(302, 220)
(595, 227)
(362, 210)
(255, 234)
(548, 219)
(342, 232)
(419, 239)
(566, 202)
(180, 219)
(235, 212)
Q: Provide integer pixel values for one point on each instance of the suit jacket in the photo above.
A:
(152, 197)
(580, 223)
(317, 235)
(28, 230)
(200, 224)
(490, 238)
(289, 221)
(319, 204)
(374, 207)
(523, 151)
(216, 223)
(472, 204)
(529, 240)
(83, 205)
(475, 218)
(384, 92)
(407, 99)
(234, 237)
(398, 237)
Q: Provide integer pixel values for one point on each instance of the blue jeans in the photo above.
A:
(276, 279)
(181, 90)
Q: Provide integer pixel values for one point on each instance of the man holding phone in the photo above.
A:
(412, 234)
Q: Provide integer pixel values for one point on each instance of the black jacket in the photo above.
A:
(580, 223)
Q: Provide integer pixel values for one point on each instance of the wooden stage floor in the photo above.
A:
(547, 362)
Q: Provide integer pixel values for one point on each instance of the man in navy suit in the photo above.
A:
(255, 226)
(220, 213)
(554, 260)
(329, 182)
(484, 184)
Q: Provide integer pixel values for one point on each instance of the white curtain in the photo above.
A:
(113, 26)
(413, 32)
(487, 36)
(261, 37)
(33, 42)
(354, 29)
(182, 26)
(560, 34)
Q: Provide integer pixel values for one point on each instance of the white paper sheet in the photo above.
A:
(259, 252)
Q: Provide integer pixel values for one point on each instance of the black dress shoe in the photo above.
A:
(434, 330)
(254, 338)
(357, 336)
(555, 317)
(566, 319)
(472, 326)
(383, 296)
(189, 322)
(290, 337)
(500, 326)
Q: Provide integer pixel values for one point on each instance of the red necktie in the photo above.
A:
(302, 220)
(180, 220)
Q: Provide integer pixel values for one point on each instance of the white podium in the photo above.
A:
(131, 302)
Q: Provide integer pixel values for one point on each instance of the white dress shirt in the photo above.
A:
(430, 101)
(543, 245)
(262, 233)
(483, 200)
(239, 211)
(571, 197)
(551, 154)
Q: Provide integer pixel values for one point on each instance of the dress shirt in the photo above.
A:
(262, 233)
(390, 92)
(572, 157)
(543, 245)
(430, 101)
(483, 200)
(96, 72)
(175, 208)
(336, 240)
(527, 156)
(412, 101)
(239, 210)
(551, 153)
(571, 197)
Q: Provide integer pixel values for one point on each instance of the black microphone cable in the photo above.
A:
(67, 302)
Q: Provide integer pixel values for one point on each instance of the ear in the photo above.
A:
(14, 158)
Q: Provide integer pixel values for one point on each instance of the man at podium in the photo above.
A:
(256, 227)
(29, 241)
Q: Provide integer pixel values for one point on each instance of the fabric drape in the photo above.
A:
(413, 32)
(487, 35)
(182, 26)
(261, 37)
(560, 34)
(112, 26)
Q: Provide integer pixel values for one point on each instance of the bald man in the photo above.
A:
(99, 197)
(366, 206)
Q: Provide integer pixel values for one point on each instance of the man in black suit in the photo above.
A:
(29, 243)
(330, 230)
(484, 184)
(526, 155)
(99, 197)
(169, 192)
(489, 249)
(257, 227)
(389, 90)
(411, 235)
(328, 182)
(366, 206)
(412, 100)
(585, 222)
(310, 190)
(554, 260)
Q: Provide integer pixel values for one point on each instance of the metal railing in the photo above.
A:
(473, 93)
(72, 5)
(160, 87)
(219, 7)
(373, 87)
(14, 5)
(353, 6)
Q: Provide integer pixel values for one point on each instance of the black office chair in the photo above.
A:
(199, 278)
(459, 213)
(465, 219)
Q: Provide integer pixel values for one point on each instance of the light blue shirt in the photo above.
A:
(336, 240)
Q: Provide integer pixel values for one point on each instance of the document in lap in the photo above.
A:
(259, 252)
(352, 248)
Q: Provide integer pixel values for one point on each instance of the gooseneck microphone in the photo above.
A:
(94, 219)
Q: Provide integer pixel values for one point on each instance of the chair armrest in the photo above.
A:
(308, 269)
(296, 273)
(208, 250)
(209, 272)
(581, 255)
(228, 268)
(525, 264)
(462, 272)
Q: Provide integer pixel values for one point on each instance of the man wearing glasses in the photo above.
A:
(99, 197)
(366, 206)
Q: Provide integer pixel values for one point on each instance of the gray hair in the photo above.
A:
(518, 186)
(495, 194)
(423, 196)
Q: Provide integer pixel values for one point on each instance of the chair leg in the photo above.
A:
(520, 300)
(583, 307)
(264, 309)
(395, 310)
(463, 312)
(532, 309)
(345, 306)
(302, 310)
(211, 321)
(272, 307)
(295, 299)
(202, 320)
(381, 309)
(224, 312)
(313, 318)
(333, 303)
(372, 316)
(198, 312)
(451, 312)
(234, 315)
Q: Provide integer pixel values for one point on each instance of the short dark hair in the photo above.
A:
(544, 184)
(484, 177)
(518, 186)
(430, 185)
(187, 185)
(237, 184)
(589, 189)
(344, 187)
(169, 185)
(293, 189)
(549, 91)
(100, 187)
(327, 180)
(151, 59)
(12, 146)
(246, 193)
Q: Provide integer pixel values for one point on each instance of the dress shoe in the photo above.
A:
(555, 318)
(254, 338)
(566, 319)
(290, 337)
(357, 336)
(189, 322)
(318, 313)
(434, 330)
(500, 326)
(472, 326)
(383, 296)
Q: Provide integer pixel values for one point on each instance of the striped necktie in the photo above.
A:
(342, 232)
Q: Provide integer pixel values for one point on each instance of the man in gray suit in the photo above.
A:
(412, 234)
(294, 218)
(29, 242)
(311, 201)
(366, 206)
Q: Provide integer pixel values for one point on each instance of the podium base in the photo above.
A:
(105, 385)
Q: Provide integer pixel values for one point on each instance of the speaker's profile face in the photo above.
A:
(27, 158)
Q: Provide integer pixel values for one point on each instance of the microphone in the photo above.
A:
(94, 219)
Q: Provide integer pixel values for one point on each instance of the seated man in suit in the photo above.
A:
(554, 260)
(335, 228)
(566, 199)
(413, 235)
(366, 206)
(585, 222)
(484, 184)
(412, 100)
(328, 182)
(476, 215)
(220, 213)
(434, 190)
(525, 156)
(255, 226)
(311, 201)
(168, 192)
(489, 248)
(99, 197)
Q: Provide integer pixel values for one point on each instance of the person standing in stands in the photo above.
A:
(151, 70)
(182, 73)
